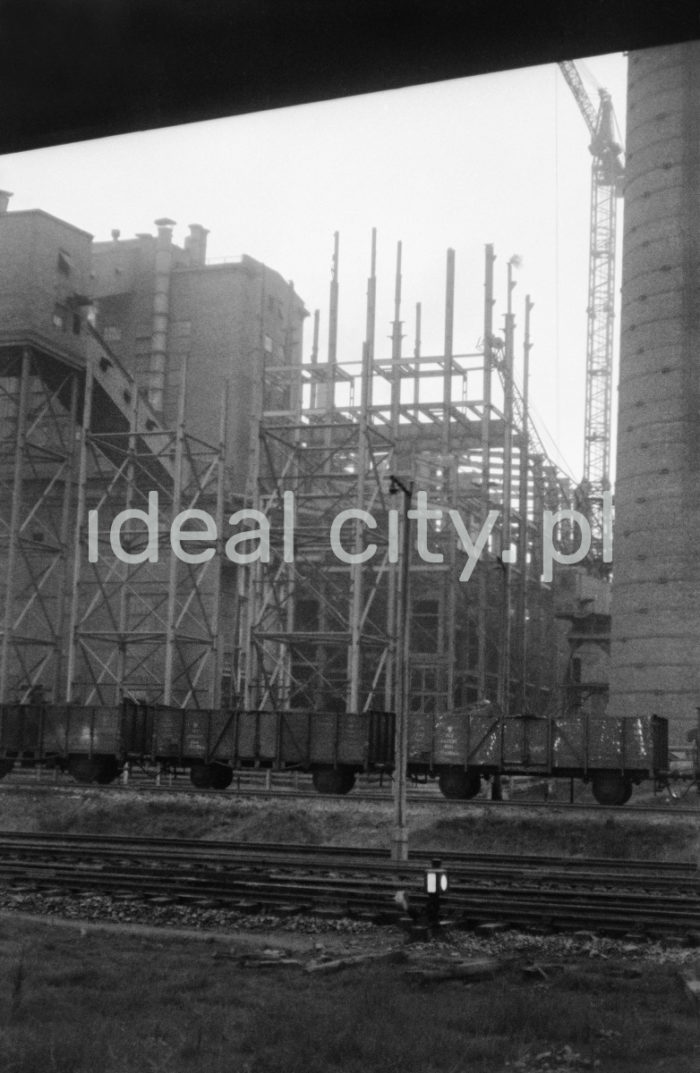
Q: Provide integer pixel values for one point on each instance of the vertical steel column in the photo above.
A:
(171, 620)
(313, 393)
(399, 842)
(448, 610)
(505, 631)
(333, 312)
(217, 635)
(124, 591)
(448, 351)
(396, 339)
(248, 581)
(356, 575)
(15, 516)
(391, 609)
(327, 392)
(536, 628)
(524, 464)
(416, 355)
(83, 435)
(482, 625)
(63, 581)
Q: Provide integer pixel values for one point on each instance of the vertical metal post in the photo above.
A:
(396, 339)
(248, 581)
(448, 352)
(314, 345)
(482, 625)
(367, 385)
(313, 399)
(15, 513)
(217, 635)
(505, 643)
(65, 531)
(84, 432)
(524, 461)
(448, 609)
(416, 355)
(396, 342)
(399, 843)
(171, 621)
(333, 313)
(356, 574)
(124, 593)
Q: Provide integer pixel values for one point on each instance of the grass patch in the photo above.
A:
(71, 1004)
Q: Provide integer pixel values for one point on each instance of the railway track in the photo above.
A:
(609, 896)
(298, 786)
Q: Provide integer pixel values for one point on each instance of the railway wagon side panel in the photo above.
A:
(526, 743)
(339, 738)
(586, 743)
(21, 729)
(460, 738)
(203, 735)
(85, 731)
(357, 740)
(470, 736)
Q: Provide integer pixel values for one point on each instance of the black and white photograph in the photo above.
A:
(349, 501)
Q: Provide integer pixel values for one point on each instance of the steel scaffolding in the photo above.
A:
(78, 440)
(320, 632)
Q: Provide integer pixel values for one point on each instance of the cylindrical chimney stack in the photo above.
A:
(161, 314)
(5, 196)
(196, 245)
(655, 666)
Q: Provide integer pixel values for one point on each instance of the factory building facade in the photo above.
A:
(125, 367)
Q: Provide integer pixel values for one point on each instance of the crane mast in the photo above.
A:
(607, 174)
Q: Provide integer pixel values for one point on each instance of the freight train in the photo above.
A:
(459, 749)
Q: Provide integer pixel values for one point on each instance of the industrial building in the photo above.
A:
(133, 366)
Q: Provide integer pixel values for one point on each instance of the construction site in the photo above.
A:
(134, 366)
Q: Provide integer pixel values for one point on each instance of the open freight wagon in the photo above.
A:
(459, 748)
(94, 743)
(613, 753)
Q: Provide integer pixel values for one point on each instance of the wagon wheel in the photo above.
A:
(610, 788)
(201, 776)
(221, 776)
(333, 781)
(458, 784)
(109, 769)
(87, 768)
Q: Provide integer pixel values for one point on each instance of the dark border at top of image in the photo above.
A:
(77, 69)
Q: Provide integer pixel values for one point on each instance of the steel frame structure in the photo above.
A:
(94, 632)
(318, 632)
(39, 402)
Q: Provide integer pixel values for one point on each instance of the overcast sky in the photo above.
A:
(500, 158)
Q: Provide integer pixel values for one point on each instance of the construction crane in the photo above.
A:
(607, 174)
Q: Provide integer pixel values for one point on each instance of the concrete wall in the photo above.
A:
(232, 322)
(655, 662)
(45, 264)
